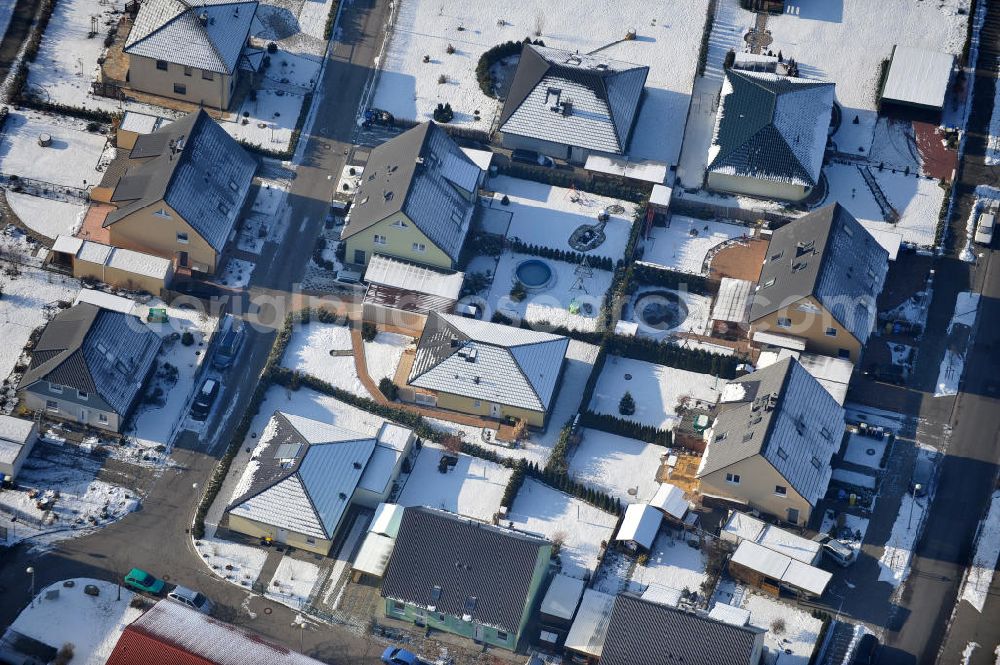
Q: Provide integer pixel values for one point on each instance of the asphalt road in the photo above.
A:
(156, 537)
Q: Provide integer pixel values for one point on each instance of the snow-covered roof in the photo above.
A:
(209, 34)
(645, 170)
(590, 627)
(67, 244)
(481, 158)
(918, 77)
(781, 567)
(106, 300)
(834, 374)
(396, 273)
(488, 361)
(768, 338)
(139, 263)
(732, 303)
(670, 499)
(736, 616)
(740, 527)
(15, 430)
(141, 123)
(563, 596)
(640, 524)
(386, 520)
(661, 195)
(771, 127)
(373, 557)
(891, 241)
(582, 100)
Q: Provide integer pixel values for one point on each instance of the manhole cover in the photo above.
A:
(267, 610)
(628, 377)
(870, 451)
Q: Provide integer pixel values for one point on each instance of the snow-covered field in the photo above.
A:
(658, 391)
(71, 160)
(684, 244)
(699, 309)
(558, 516)
(383, 353)
(668, 38)
(862, 34)
(673, 566)
(546, 216)
(617, 464)
(980, 575)
(865, 450)
(49, 217)
(473, 487)
(293, 581)
(323, 350)
(953, 364)
(92, 624)
(791, 632)
(240, 564)
(569, 287)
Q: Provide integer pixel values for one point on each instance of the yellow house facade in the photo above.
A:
(397, 236)
(808, 319)
(758, 484)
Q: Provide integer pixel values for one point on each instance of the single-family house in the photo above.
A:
(90, 366)
(305, 474)
(178, 192)
(465, 577)
(486, 369)
(415, 200)
(192, 51)
(820, 281)
(17, 438)
(770, 445)
(770, 135)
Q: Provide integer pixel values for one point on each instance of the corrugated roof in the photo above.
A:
(208, 34)
(563, 596)
(387, 519)
(488, 361)
(590, 627)
(640, 631)
(373, 557)
(388, 271)
(918, 77)
(781, 567)
(640, 524)
(733, 300)
(462, 567)
(586, 101)
(771, 127)
(15, 430)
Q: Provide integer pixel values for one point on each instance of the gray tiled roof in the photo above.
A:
(305, 477)
(196, 168)
(771, 127)
(464, 559)
(830, 255)
(640, 631)
(208, 34)
(97, 351)
(786, 416)
(595, 99)
(419, 173)
(488, 361)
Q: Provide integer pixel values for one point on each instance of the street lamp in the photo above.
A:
(31, 571)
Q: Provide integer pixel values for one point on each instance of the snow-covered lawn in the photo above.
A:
(558, 516)
(240, 564)
(546, 216)
(980, 576)
(617, 464)
(570, 287)
(92, 624)
(894, 563)
(289, 69)
(293, 581)
(473, 487)
(668, 39)
(236, 273)
(323, 350)
(865, 450)
(49, 217)
(699, 310)
(264, 222)
(791, 632)
(272, 119)
(383, 353)
(673, 566)
(953, 364)
(684, 245)
(296, 25)
(658, 391)
(70, 161)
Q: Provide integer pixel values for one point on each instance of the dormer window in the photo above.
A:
(552, 96)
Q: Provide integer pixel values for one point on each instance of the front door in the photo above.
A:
(359, 256)
(793, 515)
(495, 411)
(182, 259)
(480, 634)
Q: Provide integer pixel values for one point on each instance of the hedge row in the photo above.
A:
(678, 357)
(494, 55)
(600, 262)
(588, 336)
(513, 485)
(331, 20)
(560, 178)
(648, 275)
(629, 428)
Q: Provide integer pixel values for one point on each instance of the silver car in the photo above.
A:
(190, 598)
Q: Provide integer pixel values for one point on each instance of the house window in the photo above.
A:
(223, 208)
(162, 212)
(83, 394)
(831, 332)
(781, 490)
(476, 403)
(844, 353)
(768, 283)
(784, 322)
(187, 71)
(502, 636)
(398, 606)
(825, 433)
(419, 247)
(55, 388)
(777, 255)
(102, 418)
(208, 76)
(399, 224)
(781, 453)
(380, 239)
(161, 65)
(233, 186)
(815, 462)
(722, 436)
(180, 89)
(51, 405)
(311, 541)
(733, 478)
(182, 237)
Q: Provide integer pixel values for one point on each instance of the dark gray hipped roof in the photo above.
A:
(643, 632)
(196, 168)
(771, 127)
(95, 350)
(580, 100)
(419, 173)
(830, 255)
(462, 567)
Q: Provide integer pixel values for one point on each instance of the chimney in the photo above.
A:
(203, 18)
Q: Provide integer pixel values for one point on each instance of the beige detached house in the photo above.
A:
(192, 51)
(178, 193)
(415, 200)
(772, 441)
(821, 278)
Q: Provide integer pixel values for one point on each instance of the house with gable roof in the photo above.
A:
(772, 440)
(486, 369)
(770, 135)
(192, 51)
(570, 105)
(415, 200)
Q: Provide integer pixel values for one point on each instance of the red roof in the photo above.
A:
(136, 648)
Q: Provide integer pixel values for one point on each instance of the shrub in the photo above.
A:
(443, 112)
(368, 331)
(64, 655)
(623, 427)
(442, 79)
(517, 292)
(187, 339)
(626, 406)
(388, 388)
(513, 484)
(729, 60)
(427, 58)
(272, 47)
(449, 49)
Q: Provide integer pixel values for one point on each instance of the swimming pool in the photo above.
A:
(534, 274)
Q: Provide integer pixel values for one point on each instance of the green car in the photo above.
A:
(140, 580)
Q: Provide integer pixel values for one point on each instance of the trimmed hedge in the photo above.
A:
(331, 19)
(646, 275)
(494, 55)
(588, 336)
(559, 178)
(513, 485)
(679, 357)
(599, 262)
(629, 428)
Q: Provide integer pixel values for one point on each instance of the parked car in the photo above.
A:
(867, 651)
(984, 229)
(531, 157)
(191, 599)
(229, 343)
(836, 551)
(140, 580)
(887, 374)
(923, 472)
(206, 397)
(399, 656)
(348, 276)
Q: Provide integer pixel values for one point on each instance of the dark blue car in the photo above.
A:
(399, 656)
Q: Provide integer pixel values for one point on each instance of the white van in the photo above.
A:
(984, 229)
